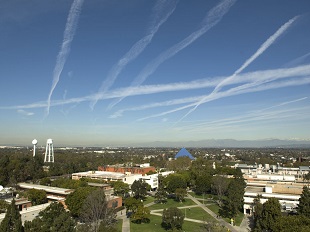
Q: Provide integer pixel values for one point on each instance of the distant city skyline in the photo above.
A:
(114, 73)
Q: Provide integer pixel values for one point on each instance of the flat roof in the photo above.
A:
(101, 174)
(47, 189)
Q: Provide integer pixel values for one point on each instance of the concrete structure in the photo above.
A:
(273, 172)
(288, 194)
(152, 180)
(29, 213)
(138, 169)
(127, 178)
(49, 152)
(23, 203)
(52, 193)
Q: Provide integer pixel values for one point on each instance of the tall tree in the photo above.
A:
(174, 181)
(271, 213)
(180, 194)
(258, 209)
(36, 196)
(219, 186)
(142, 214)
(172, 218)
(12, 221)
(3, 206)
(120, 188)
(75, 200)
(203, 184)
(179, 164)
(291, 223)
(54, 218)
(304, 202)
(132, 204)
(161, 194)
(95, 211)
(139, 189)
(234, 202)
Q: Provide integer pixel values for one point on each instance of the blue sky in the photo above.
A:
(118, 73)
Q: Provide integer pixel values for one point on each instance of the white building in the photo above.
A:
(287, 193)
(152, 180)
(127, 178)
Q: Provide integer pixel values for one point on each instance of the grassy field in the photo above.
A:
(155, 226)
(171, 203)
(148, 200)
(198, 214)
(119, 225)
(215, 208)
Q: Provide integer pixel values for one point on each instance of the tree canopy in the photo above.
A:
(54, 218)
(304, 202)
(174, 181)
(172, 218)
(139, 189)
(234, 202)
(142, 214)
(12, 221)
(95, 211)
(271, 213)
(36, 196)
(75, 200)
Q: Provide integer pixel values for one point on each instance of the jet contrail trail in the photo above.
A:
(260, 51)
(161, 7)
(62, 56)
(263, 75)
(212, 18)
(239, 90)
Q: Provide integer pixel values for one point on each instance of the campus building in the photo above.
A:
(127, 178)
(288, 194)
(52, 193)
(142, 169)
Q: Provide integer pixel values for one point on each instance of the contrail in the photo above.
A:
(264, 75)
(297, 60)
(250, 115)
(212, 18)
(260, 51)
(160, 8)
(71, 25)
(237, 91)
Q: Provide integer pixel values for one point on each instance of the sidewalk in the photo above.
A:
(221, 221)
(126, 221)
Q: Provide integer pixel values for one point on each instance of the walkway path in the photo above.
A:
(221, 221)
(244, 227)
(126, 221)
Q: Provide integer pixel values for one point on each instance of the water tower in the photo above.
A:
(49, 152)
(34, 142)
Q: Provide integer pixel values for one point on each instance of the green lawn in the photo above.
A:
(119, 225)
(155, 226)
(215, 208)
(205, 196)
(148, 200)
(198, 214)
(172, 203)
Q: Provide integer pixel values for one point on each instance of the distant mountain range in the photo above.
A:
(230, 143)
